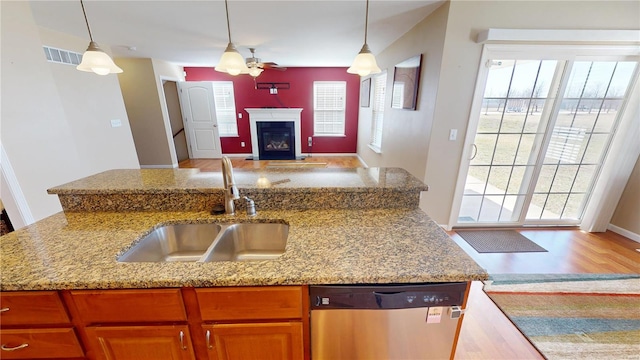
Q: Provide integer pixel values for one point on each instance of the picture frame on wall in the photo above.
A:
(406, 79)
(365, 93)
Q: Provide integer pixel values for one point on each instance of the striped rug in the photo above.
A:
(575, 319)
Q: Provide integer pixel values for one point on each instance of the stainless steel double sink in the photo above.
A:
(210, 242)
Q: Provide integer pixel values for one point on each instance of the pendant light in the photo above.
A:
(231, 61)
(365, 63)
(94, 59)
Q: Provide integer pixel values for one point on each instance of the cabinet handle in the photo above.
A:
(4, 310)
(5, 348)
(182, 340)
(208, 336)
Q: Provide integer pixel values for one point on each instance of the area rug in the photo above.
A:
(580, 316)
(295, 164)
(499, 241)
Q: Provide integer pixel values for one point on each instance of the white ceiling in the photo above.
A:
(313, 33)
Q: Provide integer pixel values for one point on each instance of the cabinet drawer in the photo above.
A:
(41, 343)
(252, 303)
(32, 308)
(128, 306)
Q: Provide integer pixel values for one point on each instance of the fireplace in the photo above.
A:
(277, 117)
(276, 140)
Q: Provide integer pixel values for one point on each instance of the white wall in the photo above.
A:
(460, 63)
(406, 134)
(141, 84)
(55, 119)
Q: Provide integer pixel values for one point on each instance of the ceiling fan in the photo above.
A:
(256, 66)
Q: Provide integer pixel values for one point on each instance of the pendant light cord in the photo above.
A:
(226, 7)
(366, 22)
(87, 21)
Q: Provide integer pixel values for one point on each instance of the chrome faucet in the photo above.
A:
(231, 192)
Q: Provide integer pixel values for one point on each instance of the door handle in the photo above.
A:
(208, 336)
(182, 340)
(475, 152)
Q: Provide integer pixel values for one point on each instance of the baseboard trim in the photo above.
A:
(364, 164)
(624, 232)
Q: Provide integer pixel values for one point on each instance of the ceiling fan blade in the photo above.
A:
(273, 66)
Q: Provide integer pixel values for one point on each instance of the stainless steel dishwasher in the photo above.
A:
(417, 321)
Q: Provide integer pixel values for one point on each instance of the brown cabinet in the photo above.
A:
(171, 342)
(267, 341)
(35, 325)
(133, 324)
(225, 323)
(254, 322)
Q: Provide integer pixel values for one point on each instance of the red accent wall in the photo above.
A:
(300, 95)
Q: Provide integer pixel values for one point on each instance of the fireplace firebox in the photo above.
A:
(276, 140)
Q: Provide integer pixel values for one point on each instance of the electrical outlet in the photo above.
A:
(310, 141)
(116, 123)
(242, 144)
(239, 115)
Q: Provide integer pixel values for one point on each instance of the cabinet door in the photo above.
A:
(265, 341)
(39, 344)
(140, 342)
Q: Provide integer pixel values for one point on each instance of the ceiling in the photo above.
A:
(295, 33)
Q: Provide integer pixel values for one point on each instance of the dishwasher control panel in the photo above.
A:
(386, 296)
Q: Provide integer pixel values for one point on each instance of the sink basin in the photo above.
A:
(250, 241)
(210, 242)
(182, 242)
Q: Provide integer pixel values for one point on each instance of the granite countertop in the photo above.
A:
(184, 181)
(327, 246)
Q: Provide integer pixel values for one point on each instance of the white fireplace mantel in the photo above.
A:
(274, 114)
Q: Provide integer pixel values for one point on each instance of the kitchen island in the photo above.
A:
(346, 226)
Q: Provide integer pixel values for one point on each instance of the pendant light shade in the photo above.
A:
(94, 59)
(231, 61)
(364, 63)
(97, 61)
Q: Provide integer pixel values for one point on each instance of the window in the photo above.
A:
(329, 103)
(379, 88)
(225, 108)
(543, 128)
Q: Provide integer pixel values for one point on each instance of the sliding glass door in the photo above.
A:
(541, 138)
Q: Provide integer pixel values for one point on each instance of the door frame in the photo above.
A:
(167, 120)
(527, 52)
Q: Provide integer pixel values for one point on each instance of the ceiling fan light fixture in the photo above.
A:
(255, 71)
(232, 62)
(364, 63)
(94, 59)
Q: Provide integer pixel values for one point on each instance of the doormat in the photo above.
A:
(577, 318)
(294, 164)
(499, 241)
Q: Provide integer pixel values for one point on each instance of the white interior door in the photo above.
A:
(200, 123)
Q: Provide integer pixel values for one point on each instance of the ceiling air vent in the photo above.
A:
(62, 56)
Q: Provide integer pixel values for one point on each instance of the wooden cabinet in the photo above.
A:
(171, 342)
(226, 323)
(254, 322)
(35, 325)
(133, 324)
(266, 341)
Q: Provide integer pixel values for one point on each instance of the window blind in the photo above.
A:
(225, 108)
(329, 103)
(379, 89)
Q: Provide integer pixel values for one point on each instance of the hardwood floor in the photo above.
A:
(486, 332)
